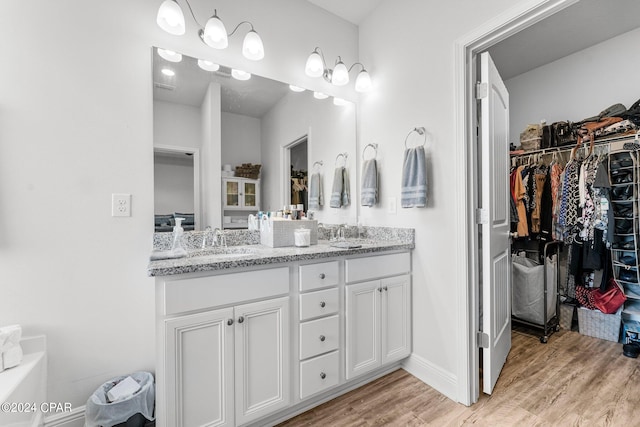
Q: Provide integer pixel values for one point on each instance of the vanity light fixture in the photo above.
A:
(208, 65)
(316, 66)
(168, 72)
(214, 33)
(169, 55)
(296, 88)
(320, 95)
(240, 75)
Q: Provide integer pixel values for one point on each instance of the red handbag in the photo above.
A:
(611, 299)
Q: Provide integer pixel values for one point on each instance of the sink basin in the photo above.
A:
(345, 245)
(222, 252)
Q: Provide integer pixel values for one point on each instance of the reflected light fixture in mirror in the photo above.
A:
(316, 66)
(168, 72)
(208, 65)
(214, 34)
(340, 102)
(320, 95)
(240, 75)
(169, 55)
(296, 88)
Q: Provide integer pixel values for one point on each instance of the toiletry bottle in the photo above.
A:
(176, 249)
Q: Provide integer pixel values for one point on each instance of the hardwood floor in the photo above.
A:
(573, 380)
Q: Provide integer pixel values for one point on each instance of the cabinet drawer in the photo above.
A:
(319, 336)
(321, 275)
(319, 373)
(319, 303)
(212, 291)
(374, 267)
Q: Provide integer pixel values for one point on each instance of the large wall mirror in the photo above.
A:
(206, 123)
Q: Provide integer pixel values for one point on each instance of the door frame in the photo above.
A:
(466, 49)
(285, 166)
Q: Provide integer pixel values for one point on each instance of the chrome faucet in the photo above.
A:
(342, 228)
(220, 238)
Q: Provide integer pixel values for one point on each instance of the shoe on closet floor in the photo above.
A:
(631, 350)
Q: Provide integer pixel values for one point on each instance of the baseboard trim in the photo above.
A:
(73, 418)
(432, 375)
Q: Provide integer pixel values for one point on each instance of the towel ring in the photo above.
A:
(344, 156)
(316, 165)
(420, 131)
(375, 150)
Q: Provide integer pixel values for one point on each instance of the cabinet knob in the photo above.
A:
(322, 304)
(379, 289)
(322, 338)
(322, 276)
(323, 375)
(230, 322)
(385, 288)
(240, 319)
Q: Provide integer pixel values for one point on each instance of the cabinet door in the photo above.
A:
(250, 193)
(199, 370)
(262, 351)
(363, 327)
(231, 193)
(396, 318)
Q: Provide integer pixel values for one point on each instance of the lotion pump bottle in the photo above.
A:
(176, 249)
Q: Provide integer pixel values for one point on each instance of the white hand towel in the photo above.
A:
(369, 191)
(336, 188)
(414, 179)
(316, 199)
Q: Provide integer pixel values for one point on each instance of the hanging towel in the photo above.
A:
(414, 179)
(315, 192)
(340, 189)
(369, 191)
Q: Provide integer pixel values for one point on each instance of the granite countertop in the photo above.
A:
(212, 259)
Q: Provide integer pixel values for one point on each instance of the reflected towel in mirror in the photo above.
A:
(369, 191)
(316, 199)
(340, 189)
(414, 179)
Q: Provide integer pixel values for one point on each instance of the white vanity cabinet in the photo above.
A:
(227, 366)
(378, 312)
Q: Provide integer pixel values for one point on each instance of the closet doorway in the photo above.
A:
(296, 167)
(530, 27)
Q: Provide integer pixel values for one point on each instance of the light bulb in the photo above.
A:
(340, 75)
(296, 88)
(169, 55)
(170, 18)
(339, 101)
(363, 81)
(315, 65)
(215, 33)
(320, 95)
(168, 72)
(208, 65)
(252, 47)
(240, 75)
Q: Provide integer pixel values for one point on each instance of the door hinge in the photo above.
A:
(482, 216)
(483, 339)
(482, 90)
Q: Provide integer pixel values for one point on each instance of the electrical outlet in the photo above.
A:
(121, 205)
(392, 207)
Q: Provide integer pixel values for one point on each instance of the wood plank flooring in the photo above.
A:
(573, 380)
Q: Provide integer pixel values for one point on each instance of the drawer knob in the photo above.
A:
(322, 338)
(385, 288)
(240, 319)
(322, 304)
(323, 375)
(322, 276)
(230, 322)
(379, 289)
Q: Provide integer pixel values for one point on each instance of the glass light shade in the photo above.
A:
(320, 95)
(170, 18)
(252, 47)
(339, 101)
(315, 66)
(170, 55)
(296, 88)
(215, 33)
(340, 75)
(208, 65)
(240, 75)
(363, 82)
(168, 72)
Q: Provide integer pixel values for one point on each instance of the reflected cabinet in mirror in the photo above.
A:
(211, 131)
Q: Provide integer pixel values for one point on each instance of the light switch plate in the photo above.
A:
(392, 205)
(121, 205)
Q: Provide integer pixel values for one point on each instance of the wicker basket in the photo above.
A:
(595, 323)
(247, 170)
(566, 316)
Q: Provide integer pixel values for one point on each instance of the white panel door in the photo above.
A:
(262, 362)
(199, 390)
(396, 318)
(496, 263)
(363, 327)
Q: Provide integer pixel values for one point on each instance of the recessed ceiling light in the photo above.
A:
(168, 72)
(170, 55)
(296, 88)
(208, 65)
(320, 95)
(240, 75)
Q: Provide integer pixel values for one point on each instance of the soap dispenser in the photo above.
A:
(176, 249)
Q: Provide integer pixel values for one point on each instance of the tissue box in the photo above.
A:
(278, 233)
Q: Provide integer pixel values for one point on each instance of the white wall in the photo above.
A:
(408, 48)
(577, 86)
(176, 125)
(173, 184)
(240, 139)
(75, 126)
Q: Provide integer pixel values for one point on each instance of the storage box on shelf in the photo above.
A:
(594, 323)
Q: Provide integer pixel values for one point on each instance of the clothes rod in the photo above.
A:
(631, 137)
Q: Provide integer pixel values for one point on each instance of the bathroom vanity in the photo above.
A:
(252, 335)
